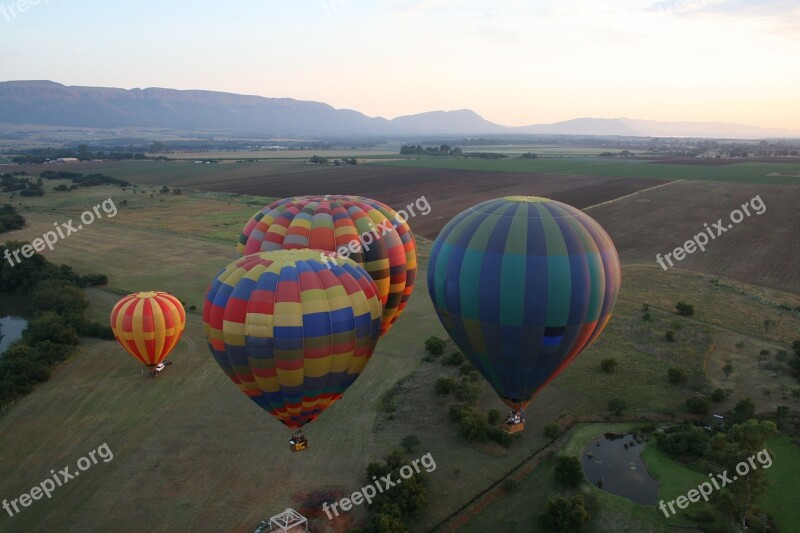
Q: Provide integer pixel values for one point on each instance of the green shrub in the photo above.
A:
(551, 431)
(697, 405)
(677, 376)
(617, 406)
(453, 359)
(569, 471)
(444, 386)
(719, 395)
(434, 345)
(609, 366)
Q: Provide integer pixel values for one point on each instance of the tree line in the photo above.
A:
(56, 304)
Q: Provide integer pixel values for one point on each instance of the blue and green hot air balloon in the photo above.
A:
(523, 285)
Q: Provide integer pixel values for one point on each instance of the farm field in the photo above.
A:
(758, 250)
(747, 172)
(448, 191)
(228, 155)
(659, 217)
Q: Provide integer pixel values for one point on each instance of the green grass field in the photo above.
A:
(595, 166)
(780, 498)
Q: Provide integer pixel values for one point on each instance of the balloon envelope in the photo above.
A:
(148, 325)
(365, 230)
(293, 332)
(523, 285)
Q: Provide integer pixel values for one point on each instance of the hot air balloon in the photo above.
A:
(365, 230)
(523, 285)
(292, 331)
(149, 325)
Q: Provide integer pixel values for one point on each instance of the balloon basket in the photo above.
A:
(513, 428)
(298, 446)
(299, 442)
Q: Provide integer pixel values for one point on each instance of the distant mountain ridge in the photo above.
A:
(53, 104)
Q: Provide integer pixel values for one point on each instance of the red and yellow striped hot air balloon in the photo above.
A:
(148, 325)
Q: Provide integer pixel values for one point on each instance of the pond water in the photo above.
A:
(11, 323)
(615, 459)
(11, 328)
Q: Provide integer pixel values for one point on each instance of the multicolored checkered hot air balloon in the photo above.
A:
(365, 230)
(292, 331)
(148, 325)
(523, 285)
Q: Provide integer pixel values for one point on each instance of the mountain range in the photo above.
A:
(47, 103)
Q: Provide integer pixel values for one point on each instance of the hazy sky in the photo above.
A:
(515, 62)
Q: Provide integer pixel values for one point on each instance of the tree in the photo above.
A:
(697, 405)
(10, 219)
(744, 410)
(677, 376)
(60, 297)
(781, 414)
(454, 359)
(728, 369)
(796, 394)
(493, 417)
(569, 471)
(719, 395)
(50, 327)
(565, 515)
(158, 147)
(551, 431)
(617, 406)
(444, 386)
(685, 309)
(738, 500)
(434, 345)
(670, 336)
(608, 366)
(410, 443)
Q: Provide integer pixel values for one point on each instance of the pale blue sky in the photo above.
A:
(515, 62)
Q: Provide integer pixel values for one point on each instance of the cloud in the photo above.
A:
(769, 9)
(781, 16)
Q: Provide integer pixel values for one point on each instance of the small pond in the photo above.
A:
(11, 328)
(11, 322)
(613, 462)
